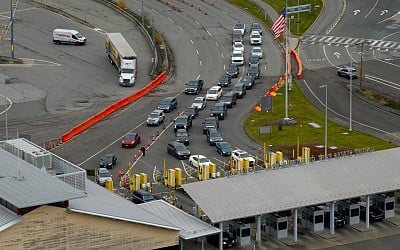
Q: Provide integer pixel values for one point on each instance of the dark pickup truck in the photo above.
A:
(141, 196)
(194, 87)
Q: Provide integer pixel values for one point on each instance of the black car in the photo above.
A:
(239, 89)
(182, 136)
(229, 99)
(191, 111)
(233, 70)
(213, 136)
(194, 87)
(183, 121)
(339, 220)
(219, 110)
(375, 214)
(237, 36)
(168, 104)
(256, 27)
(223, 148)
(248, 81)
(210, 122)
(254, 71)
(179, 150)
(254, 60)
(108, 161)
(225, 81)
(227, 240)
(140, 196)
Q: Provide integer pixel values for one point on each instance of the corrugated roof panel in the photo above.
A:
(190, 226)
(101, 202)
(286, 188)
(8, 218)
(24, 185)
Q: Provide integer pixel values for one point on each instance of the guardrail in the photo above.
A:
(112, 108)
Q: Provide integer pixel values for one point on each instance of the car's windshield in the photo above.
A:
(239, 26)
(130, 136)
(107, 158)
(153, 115)
(148, 198)
(127, 71)
(198, 101)
(181, 133)
(253, 69)
(244, 155)
(192, 83)
(256, 51)
(212, 91)
(181, 120)
(224, 78)
(214, 134)
(104, 174)
(205, 159)
(180, 147)
(239, 88)
(210, 121)
(253, 59)
(226, 98)
(232, 68)
(255, 36)
(165, 102)
(217, 108)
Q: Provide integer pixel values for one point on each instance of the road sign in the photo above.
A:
(298, 8)
(266, 103)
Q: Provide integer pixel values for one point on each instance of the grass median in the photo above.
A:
(309, 129)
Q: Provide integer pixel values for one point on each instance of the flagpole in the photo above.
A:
(286, 63)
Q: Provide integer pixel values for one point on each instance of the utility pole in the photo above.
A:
(12, 29)
(361, 64)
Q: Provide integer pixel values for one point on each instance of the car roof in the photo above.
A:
(103, 170)
(156, 111)
(175, 143)
(238, 84)
(181, 130)
(215, 87)
(200, 98)
(170, 98)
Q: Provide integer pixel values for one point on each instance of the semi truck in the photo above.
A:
(120, 53)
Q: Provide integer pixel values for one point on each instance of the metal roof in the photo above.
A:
(101, 202)
(24, 185)
(269, 191)
(8, 218)
(190, 226)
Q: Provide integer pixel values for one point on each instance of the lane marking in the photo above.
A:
(373, 7)
(384, 20)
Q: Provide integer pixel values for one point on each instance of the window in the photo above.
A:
(319, 219)
(245, 232)
(282, 225)
(390, 206)
(355, 212)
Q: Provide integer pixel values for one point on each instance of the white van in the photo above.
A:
(68, 36)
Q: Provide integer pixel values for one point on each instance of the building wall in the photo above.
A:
(57, 228)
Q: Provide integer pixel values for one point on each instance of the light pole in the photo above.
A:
(142, 13)
(326, 119)
(361, 61)
(286, 61)
(12, 29)
(351, 96)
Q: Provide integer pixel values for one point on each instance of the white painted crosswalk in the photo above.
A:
(350, 41)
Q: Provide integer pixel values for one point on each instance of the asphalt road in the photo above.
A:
(355, 19)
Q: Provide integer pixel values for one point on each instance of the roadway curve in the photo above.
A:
(332, 42)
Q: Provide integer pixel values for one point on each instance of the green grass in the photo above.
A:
(299, 107)
(304, 112)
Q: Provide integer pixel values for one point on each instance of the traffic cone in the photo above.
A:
(134, 157)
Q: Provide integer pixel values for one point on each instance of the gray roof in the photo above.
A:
(8, 218)
(190, 226)
(264, 192)
(24, 185)
(101, 202)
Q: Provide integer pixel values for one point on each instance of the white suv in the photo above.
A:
(214, 93)
(255, 38)
(237, 57)
(155, 118)
(239, 155)
(240, 27)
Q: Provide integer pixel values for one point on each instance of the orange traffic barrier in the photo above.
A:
(112, 108)
(299, 64)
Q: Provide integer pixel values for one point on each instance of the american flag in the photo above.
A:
(279, 25)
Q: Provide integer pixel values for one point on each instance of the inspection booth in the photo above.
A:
(276, 225)
(350, 210)
(312, 218)
(386, 202)
(240, 231)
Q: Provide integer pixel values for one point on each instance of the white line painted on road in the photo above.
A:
(383, 82)
(209, 33)
(323, 48)
(198, 77)
(392, 17)
(191, 41)
(201, 65)
(217, 44)
(373, 7)
(180, 27)
(172, 21)
(197, 22)
(197, 52)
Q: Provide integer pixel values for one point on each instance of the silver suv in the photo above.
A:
(155, 118)
(347, 72)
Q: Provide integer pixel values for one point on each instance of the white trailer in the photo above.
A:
(123, 56)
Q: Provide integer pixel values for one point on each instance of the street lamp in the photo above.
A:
(326, 119)
(351, 95)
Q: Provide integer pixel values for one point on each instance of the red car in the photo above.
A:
(130, 140)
